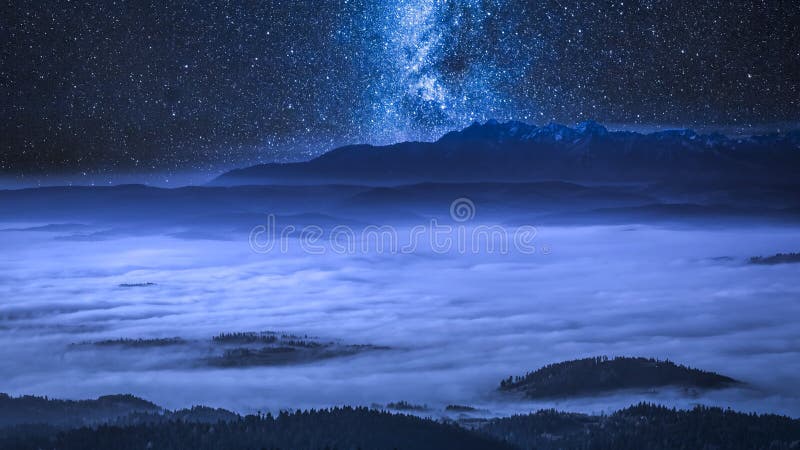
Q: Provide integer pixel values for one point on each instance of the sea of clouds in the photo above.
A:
(457, 323)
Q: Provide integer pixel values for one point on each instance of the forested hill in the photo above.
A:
(590, 376)
(30, 409)
(338, 428)
(199, 428)
(638, 427)
(646, 426)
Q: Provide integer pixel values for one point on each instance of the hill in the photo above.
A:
(342, 428)
(198, 428)
(647, 426)
(70, 413)
(591, 376)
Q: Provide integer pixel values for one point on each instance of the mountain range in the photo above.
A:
(520, 152)
(516, 173)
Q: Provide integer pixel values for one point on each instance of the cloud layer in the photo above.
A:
(457, 324)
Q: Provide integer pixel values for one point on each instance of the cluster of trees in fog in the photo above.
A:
(778, 258)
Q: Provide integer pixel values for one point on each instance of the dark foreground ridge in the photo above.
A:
(30, 409)
(206, 428)
(64, 425)
(591, 376)
(516, 151)
(646, 426)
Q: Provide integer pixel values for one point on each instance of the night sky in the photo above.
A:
(174, 86)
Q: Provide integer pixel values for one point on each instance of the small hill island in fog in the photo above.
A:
(591, 376)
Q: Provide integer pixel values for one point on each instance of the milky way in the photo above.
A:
(135, 87)
(438, 75)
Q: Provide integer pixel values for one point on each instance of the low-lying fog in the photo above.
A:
(456, 323)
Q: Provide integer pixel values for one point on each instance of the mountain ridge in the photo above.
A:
(519, 152)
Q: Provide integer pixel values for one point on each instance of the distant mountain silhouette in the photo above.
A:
(224, 213)
(516, 151)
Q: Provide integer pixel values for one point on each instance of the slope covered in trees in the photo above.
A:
(342, 428)
(590, 376)
(648, 426)
(44, 423)
(29, 409)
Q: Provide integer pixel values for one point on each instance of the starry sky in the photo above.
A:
(155, 86)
